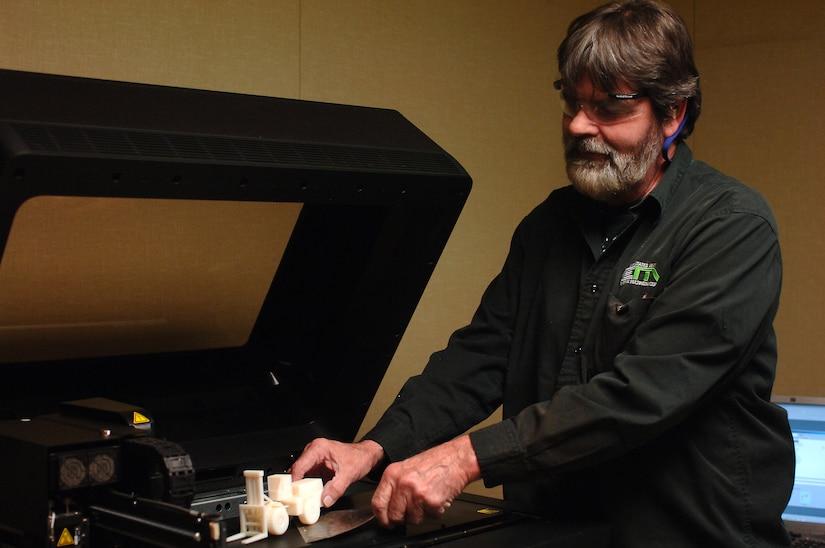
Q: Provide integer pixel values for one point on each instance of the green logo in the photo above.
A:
(639, 273)
(645, 273)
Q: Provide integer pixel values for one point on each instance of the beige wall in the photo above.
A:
(763, 76)
(475, 75)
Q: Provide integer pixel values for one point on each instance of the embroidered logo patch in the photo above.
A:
(640, 273)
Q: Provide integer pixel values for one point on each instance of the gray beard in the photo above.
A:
(614, 175)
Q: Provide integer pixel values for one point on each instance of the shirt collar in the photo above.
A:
(662, 195)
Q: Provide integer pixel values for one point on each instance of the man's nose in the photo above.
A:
(581, 124)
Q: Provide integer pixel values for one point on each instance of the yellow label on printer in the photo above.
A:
(66, 538)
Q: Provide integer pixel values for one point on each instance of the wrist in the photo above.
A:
(373, 450)
(468, 461)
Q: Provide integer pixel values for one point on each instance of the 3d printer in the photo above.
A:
(193, 284)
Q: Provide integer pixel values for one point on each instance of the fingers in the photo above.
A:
(312, 459)
(381, 503)
(398, 500)
(342, 464)
(321, 458)
(334, 490)
(425, 485)
(410, 491)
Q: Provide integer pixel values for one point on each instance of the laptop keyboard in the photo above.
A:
(806, 542)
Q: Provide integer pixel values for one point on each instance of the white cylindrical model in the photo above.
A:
(254, 487)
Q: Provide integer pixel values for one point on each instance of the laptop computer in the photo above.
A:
(805, 513)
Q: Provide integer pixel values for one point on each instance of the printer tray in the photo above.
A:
(472, 521)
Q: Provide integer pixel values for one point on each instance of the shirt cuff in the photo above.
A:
(396, 439)
(499, 453)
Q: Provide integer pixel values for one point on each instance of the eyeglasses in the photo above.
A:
(613, 110)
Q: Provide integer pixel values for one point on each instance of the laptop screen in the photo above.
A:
(806, 508)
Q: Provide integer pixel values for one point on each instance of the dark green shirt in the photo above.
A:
(634, 354)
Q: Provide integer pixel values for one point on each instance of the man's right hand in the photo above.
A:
(342, 464)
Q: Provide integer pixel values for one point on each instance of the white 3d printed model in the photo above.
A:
(263, 515)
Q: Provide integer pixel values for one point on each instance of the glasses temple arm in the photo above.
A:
(669, 140)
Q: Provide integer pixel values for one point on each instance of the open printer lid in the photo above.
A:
(241, 267)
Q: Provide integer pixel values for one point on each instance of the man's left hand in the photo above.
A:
(425, 485)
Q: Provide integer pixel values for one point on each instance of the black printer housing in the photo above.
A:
(376, 200)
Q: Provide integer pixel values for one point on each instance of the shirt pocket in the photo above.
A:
(618, 325)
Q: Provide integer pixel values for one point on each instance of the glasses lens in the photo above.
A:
(606, 112)
(568, 106)
(612, 110)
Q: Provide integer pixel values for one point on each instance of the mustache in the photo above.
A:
(575, 146)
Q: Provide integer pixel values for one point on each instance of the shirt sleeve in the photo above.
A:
(462, 384)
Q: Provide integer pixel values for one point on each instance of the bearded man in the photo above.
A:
(628, 336)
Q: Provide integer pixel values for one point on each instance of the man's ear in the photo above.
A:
(671, 127)
(676, 119)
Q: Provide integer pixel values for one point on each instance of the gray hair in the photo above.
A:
(641, 43)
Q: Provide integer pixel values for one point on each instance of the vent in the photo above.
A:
(59, 139)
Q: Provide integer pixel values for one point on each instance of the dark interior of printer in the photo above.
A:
(223, 319)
